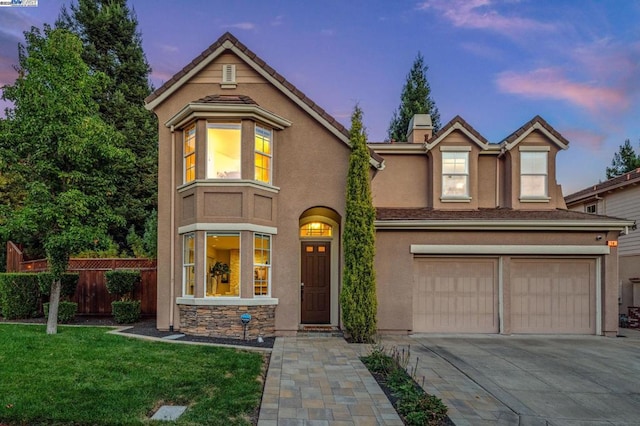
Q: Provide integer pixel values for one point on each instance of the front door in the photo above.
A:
(315, 290)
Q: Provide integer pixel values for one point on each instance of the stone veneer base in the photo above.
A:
(224, 321)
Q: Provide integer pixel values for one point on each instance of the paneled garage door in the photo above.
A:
(553, 296)
(455, 295)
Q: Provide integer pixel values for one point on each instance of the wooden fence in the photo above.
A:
(91, 294)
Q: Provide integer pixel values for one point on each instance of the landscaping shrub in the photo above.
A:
(68, 284)
(66, 311)
(413, 404)
(126, 312)
(122, 282)
(19, 295)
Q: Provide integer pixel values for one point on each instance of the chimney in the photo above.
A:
(420, 128)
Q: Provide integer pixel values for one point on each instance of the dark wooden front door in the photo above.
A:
(315, 291)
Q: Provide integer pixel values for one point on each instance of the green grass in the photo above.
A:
(83, 376)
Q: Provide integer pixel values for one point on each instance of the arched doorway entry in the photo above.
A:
(319, 266)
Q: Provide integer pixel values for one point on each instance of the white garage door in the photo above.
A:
(553, 296)
(455, 295)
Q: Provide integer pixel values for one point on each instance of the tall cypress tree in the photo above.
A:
(358, 295)
(113, 46)
(415, 99)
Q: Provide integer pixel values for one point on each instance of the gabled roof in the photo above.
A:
(539, 124)
(618, 182)
(228, 42)
(457, 123)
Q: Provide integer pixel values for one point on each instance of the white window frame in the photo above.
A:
(528, 155)
(211, 160)
(186, 265)
(266, 265)
(593, 206)
(206, 272)
(262, 153)
(454, 154)
(187, 135)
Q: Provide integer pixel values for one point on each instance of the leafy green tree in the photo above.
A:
(358, 295)
(625, 160)
(69, 158)
(415, 99)
(113, 45)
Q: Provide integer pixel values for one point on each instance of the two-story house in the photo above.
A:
(471, 236)
(619, 197)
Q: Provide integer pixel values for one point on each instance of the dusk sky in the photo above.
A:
(496, 63)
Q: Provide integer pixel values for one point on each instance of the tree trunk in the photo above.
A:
(54, 302)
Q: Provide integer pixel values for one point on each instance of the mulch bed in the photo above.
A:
(147, 327)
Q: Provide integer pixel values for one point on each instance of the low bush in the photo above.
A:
(19, 295)
(125, 312)
(66, 311)
(122, 282)
(412, 403)
(68, 284)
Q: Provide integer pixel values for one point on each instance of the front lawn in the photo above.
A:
(84, 376)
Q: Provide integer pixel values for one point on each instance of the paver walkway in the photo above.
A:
(321, 381)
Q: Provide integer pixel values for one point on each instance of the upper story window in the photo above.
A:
(455, 174)
(263, 154)
(189, 150)
(189, 264)
(533, 174)
(223, 150)
(591, 208)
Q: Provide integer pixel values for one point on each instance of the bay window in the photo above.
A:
(189, 153)
(261, 264)
(222, 265)
(263, 155)
(223, 150)
(188, 265)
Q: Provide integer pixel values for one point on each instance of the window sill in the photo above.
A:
(535, 200)
(455, 199)
(228, 182)
(225, 301)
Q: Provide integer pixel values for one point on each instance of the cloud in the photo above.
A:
(241, 26)
(551, 83)
(277, 21)
(593, 141)
(328, 32)
(168, 48)
(482, 14)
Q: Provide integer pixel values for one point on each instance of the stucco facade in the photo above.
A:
(252, 177)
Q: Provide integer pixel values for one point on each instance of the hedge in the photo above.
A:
(19, 295)
(121, 282)
(68, 283)
(66, 311)
(126, 312)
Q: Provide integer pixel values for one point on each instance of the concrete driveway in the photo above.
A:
(530, 380)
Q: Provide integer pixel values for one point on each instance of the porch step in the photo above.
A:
(319, 331)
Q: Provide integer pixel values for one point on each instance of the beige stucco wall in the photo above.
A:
(310, 166)
(403, 182)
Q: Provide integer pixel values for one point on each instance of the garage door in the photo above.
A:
(553, 296)
(455, 295)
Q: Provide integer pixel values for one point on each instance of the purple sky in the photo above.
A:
(496, 63)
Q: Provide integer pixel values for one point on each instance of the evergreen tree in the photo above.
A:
(415, 99)
(113, 45)
(56, 141)
(358, 295)
(625, 160)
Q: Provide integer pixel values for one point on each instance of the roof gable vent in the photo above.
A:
(228, 76)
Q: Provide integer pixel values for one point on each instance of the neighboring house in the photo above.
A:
(619, 197)
(471, 236)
